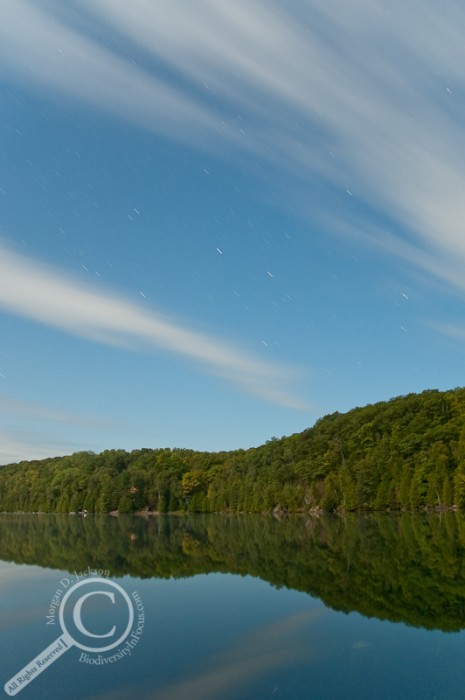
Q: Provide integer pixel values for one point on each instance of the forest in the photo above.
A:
(407, 453)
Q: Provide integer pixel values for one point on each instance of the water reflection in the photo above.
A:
(408, 567)
(272, 646)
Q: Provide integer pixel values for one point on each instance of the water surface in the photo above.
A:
(248, 606)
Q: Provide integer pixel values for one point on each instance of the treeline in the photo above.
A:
(406, 453)
(405, 567)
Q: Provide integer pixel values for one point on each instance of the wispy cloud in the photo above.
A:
(42, 47)
(43, 294)
(39, 436)
(19, 445)
(449, 330)
(30, 411)
(41, 424)
(362, 96)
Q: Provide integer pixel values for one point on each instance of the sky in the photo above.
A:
(221, 221)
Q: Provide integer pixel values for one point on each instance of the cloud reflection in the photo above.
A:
(272, 646)
(269, 648)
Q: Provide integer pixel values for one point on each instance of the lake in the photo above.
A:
(233, 607)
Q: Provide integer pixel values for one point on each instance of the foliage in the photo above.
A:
(406, 453)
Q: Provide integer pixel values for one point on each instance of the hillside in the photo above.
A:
(408, 452)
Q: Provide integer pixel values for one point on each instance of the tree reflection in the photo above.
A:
(407, 567)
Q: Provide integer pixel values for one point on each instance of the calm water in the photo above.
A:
(237, 607)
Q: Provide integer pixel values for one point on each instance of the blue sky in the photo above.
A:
(220, 221)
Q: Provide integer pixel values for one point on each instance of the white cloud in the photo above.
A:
(30, 411)
(450, 330)
(355, 94)
(358, 94)
(16, 446)
(47, 296)
(45, 52)
(37, 439)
